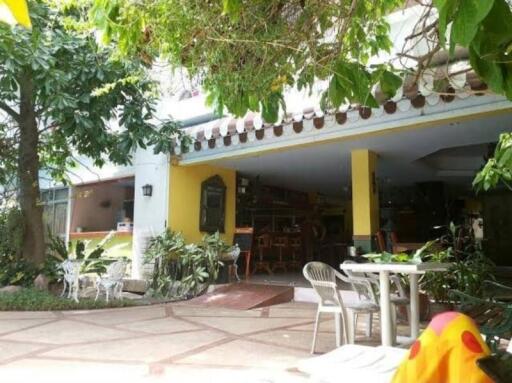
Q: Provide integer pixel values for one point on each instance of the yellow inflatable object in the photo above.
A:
(15, 11)
(446, 352)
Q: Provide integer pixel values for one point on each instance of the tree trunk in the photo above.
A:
(28, 174)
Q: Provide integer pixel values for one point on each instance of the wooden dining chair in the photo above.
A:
(295, 245)
(281, 244)
(264, 246)
(381, 242)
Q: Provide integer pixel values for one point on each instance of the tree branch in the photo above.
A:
(10, 111)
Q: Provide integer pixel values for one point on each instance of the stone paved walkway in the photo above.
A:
(171, 343)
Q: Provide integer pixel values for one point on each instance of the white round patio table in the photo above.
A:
(384, 269)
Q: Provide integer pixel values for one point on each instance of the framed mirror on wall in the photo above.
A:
(213, 205)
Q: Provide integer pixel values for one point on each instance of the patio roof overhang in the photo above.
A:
(234, 138)
(418, 104)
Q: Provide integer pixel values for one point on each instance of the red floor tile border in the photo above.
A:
(87, 360)
(196, 350)
(27, 328)
(28, 355)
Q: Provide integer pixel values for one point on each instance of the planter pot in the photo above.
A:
(438, 308)
(224, 275)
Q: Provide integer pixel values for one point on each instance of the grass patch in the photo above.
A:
(35, 300)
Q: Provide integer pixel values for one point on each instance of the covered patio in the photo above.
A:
(387, 179)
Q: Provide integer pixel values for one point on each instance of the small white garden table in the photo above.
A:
(384, 269)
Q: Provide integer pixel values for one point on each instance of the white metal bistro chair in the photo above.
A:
(71, 276)
(234, 251)
(112, 280)
(324, 278)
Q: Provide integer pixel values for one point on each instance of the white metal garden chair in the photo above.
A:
(112, 280)
(71, 275)
(235, 254)
(324, 278)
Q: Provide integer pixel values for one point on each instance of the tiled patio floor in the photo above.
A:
(171, 343)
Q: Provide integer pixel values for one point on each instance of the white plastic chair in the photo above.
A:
(324, 278)
(71, 274)
(112, 280)
(398, 299)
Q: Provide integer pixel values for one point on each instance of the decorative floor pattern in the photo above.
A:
(173, 342)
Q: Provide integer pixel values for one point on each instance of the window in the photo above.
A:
(213, 201)
(55, 204)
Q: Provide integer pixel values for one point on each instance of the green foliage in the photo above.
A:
(79, 87)
(94, 259)
(469, 275)
(484, 28)
(470, 267)
(214, 243)
(414, 258)
(246, 52)
(183, 270)
(35, 300)
(11, 232)
(438, 284)
(13, 269)
(498, 169)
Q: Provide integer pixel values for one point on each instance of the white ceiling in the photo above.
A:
(423, 154)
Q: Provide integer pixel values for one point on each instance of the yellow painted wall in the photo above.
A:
(185, 198)
(365, 200)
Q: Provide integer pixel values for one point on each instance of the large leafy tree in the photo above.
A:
(59, 92)
(245, 52)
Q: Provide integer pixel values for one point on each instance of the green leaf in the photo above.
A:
(390, 83)
(270, 108)
(489, 71)
(446, 10)
(335, 92)
(467, 20)
(231, 7)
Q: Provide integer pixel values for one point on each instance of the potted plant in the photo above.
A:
(217, 255)
(181, 270)
(437, 285)
(470, 268)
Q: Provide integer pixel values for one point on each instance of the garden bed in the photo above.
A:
(35, 300)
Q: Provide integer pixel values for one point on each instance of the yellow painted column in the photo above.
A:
(365, 199)
(185, 199)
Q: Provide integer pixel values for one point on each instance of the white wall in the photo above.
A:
(150, 215)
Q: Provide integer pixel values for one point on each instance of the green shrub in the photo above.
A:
(94, 258)
(13, 269)
(11, 232)
(183, 270)
(34, 300)
(469, 266)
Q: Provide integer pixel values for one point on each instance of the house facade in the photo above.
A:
(333, 178)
